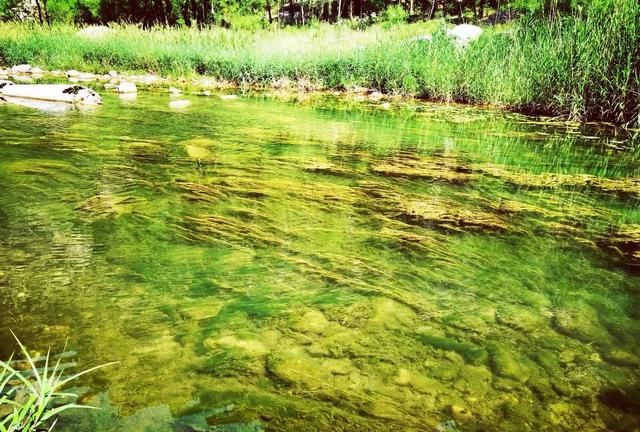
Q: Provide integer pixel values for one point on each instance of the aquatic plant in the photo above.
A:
(37, 399)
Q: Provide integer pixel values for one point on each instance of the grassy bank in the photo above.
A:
(585, 67)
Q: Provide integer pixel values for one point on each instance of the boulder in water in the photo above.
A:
(126, 87)
(50, 92)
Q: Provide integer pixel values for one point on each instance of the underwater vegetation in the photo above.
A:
(290, 267)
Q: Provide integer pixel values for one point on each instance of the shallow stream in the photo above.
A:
(259, 265)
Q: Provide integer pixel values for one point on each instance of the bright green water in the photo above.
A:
(303, 268)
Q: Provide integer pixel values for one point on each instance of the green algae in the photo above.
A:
(327, 269)
(470, 352)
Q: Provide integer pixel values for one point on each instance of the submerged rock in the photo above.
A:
(621, 358)
(197, 152)
(524, 319)
(254, 426)
(313, 321)
(507, 364)
(471, 353)
(179, 104)
(581, 322)
(251, 347)
(460, 413)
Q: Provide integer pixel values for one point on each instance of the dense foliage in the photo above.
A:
(260, 13)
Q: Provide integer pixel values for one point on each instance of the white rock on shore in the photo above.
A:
(464, 34)
(94, 32)
(21, 69)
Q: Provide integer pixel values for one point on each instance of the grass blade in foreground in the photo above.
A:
(43, 401)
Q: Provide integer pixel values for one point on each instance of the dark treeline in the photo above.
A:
(219, 12)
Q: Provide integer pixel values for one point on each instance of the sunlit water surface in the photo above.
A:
(259, 265)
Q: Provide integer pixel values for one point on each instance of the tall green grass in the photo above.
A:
(585, 67)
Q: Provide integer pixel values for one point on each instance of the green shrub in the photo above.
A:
(395, 14)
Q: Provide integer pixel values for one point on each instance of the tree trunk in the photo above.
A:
(411, 7)
(339, 10)
(46, 12)
(433, 9)
(268, 7)
(39, 11)
(350, 9)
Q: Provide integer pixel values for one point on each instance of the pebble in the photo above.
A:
(175, 91)
(72, 73)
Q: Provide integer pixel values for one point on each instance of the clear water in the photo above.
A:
(259, 265)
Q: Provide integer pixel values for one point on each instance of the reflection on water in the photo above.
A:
(265, 266)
